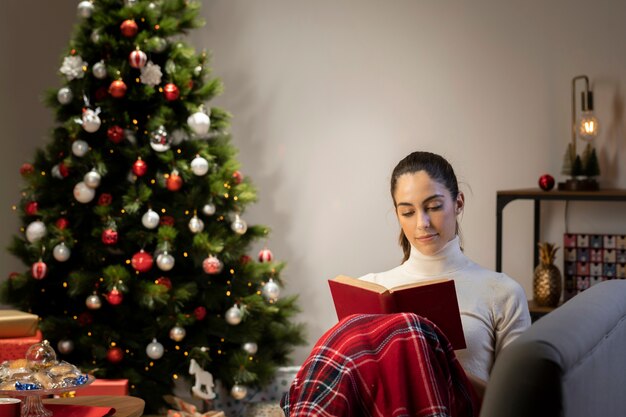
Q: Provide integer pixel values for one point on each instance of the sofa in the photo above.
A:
(570, 363)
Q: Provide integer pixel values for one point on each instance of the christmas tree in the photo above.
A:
(133, 230)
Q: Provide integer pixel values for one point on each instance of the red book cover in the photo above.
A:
(434, 299)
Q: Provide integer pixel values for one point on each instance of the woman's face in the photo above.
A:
(426, 211)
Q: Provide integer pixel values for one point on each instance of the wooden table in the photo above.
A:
(125, 406)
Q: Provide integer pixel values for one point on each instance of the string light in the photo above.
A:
(65, 285)
(185, 254)
(43, 173)
(175, 376)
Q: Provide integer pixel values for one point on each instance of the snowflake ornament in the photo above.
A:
(151, 74)
(73, 67)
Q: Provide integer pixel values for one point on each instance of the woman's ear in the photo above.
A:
(460, 202)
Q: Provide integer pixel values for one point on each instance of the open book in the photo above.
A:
(434, 299)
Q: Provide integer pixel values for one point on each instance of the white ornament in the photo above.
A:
(35, 231)
(154, 350)
(150, 219)
(99, 70)
(80, 148)
(56, 172)
(250, 348)
(130, 136)
(95, 36)
(65, 346)
(137, 59)
(158, 140)
(129, 3)
(64, 95)
(83, 193)
(93, 302)
(92, 179)
(91, 121)
(199, 166)
(72, 67)
(238, 392)
(61, 252)
(271, 291)
(203, 387)
(199, 122)
(239, 225)
(178, 136)
(85, 9)
(233, 315)
(165, 261)
(177, 333)
(196, 225)
(208, 209)
(151, 74)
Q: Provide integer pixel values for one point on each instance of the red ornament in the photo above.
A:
(237, 177)
(140, 167)
(200, 313)
(105, 199)
(115, 355)
(142, 261)
(62, 223)
(546, 182)
(109, 236)
(115, 134)
(85, 318)
(171, 92)
(129, 28)
(165, 281)
(101, 93)
(174, 181)
(27, 169)
(115, 297)
(31, 208)
(39, 269)
(167, 221)
(137, 59)
(212, 265)
(265, 255)
(63, 170)
(244, 259)
(117, 89)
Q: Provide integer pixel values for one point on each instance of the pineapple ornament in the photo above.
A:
(547, 277)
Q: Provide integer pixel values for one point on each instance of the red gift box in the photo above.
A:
(16, 347)
(105, 387)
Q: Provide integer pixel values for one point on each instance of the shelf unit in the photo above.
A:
(504, 197)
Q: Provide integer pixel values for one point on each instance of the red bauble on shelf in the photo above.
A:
(546, 182)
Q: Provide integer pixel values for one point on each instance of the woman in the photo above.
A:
(494, 311)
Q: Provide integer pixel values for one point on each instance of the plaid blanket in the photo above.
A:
(387, 365)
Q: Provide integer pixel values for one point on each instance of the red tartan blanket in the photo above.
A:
(381, 365)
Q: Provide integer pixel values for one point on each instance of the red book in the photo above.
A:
(434, 299)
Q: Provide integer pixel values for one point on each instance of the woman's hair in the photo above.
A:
(437, 168)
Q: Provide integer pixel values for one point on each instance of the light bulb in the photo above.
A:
(588, 126)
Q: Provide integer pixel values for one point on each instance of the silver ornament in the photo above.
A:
(80, 148)
(154, 350)
(56, 172)
(208, 209)
(196, 225)
(93, 302)
(61, 252)
(83, 193)
(92, 179)
(85, 9)
(165, 261)
(95, 36)
(177, 333)
(250, 348)
(239, 226)
(197, 70)
(65, 95)
(91, 121)
(238, 392)
(199, 166)
(233, 315)
(65, 346)
(199, 122)
(271, 291)
(159, 141)
(35, 231)
(150, 219)
(99, 70)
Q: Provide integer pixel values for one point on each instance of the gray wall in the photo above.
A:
(327, 96)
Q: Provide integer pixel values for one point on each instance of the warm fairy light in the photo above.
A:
(219, 219)
(84, 68)
(186, 353)
(163, 210)
(127, 261)
(137, 80)
(43, 173)
(65, 285)
(186, 212)
(227, 293)
(13, 208)
(235, 198)
(102, 279)
(151, 363)
(178, 151)
(225, 195)
(145, 132)
(219, 352)
(250, 358)
(175, 376)
(258, 293)
(185, 254)
(75, 318)
(111, 151)
(89, 334)
(232, 271)
(147, 369)
(249, 284)
(135, 121)
(157, 27)
(21, 229)
(152, 181)
(43, 290)
(225, 185)
(113, 344)
(160, 89)
(122, 211)
(166, 176)
(177, 347)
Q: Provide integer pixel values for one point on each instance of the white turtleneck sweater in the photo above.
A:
(493, 306)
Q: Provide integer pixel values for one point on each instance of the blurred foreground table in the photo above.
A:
(125, 406)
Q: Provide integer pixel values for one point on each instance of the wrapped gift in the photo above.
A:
(14, 323)
(104, 387)
(15, 348)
